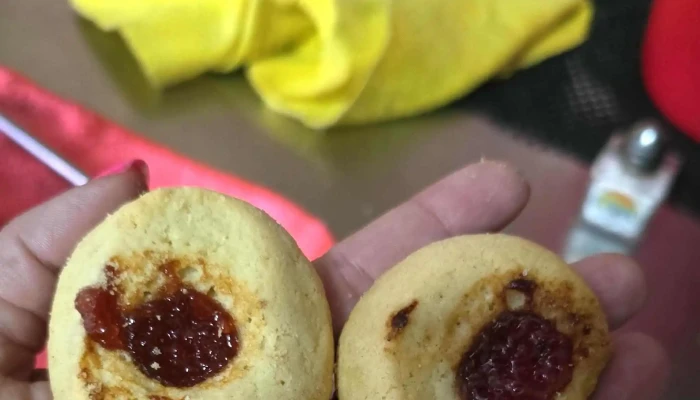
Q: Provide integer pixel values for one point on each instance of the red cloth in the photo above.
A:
(671, 62)
(94, 144)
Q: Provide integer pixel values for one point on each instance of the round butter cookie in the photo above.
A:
(477, 317)
(186, 293)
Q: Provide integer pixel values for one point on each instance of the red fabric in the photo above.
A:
(94, 144)
(671, 62)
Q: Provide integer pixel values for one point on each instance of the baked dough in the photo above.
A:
(406, 336)
(224, 247)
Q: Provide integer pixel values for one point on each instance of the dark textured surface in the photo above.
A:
(577, 100)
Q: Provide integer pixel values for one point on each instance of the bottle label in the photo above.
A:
(614, 210)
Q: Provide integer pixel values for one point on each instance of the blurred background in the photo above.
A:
(554, 121)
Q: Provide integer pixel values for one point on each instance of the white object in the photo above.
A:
(622, 197)
(584, 241)
(42, 153)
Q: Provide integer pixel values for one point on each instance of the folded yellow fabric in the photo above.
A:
(330, 62)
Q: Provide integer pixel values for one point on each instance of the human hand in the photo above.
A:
(482, 197)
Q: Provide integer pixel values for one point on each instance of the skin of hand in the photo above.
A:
(482, 197)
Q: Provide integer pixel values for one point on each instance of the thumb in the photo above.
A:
(35, 245)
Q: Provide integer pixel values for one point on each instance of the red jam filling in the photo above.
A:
(519, 356)
(180, 339)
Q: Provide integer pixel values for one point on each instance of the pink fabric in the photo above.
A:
(95, 144)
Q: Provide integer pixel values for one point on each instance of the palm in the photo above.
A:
(480, 198)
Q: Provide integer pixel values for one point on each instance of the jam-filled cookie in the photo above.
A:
(188, 294)
(481, 317)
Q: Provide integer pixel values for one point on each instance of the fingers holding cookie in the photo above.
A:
(482, 197)
(618, 282)
(187, 293)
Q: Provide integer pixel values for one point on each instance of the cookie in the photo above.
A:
(474, 318)
(186, 293)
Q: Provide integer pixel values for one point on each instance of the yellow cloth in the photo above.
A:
(329, 62)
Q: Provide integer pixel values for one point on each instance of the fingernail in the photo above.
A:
(142, 167)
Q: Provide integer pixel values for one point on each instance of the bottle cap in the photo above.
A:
(645, 146)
